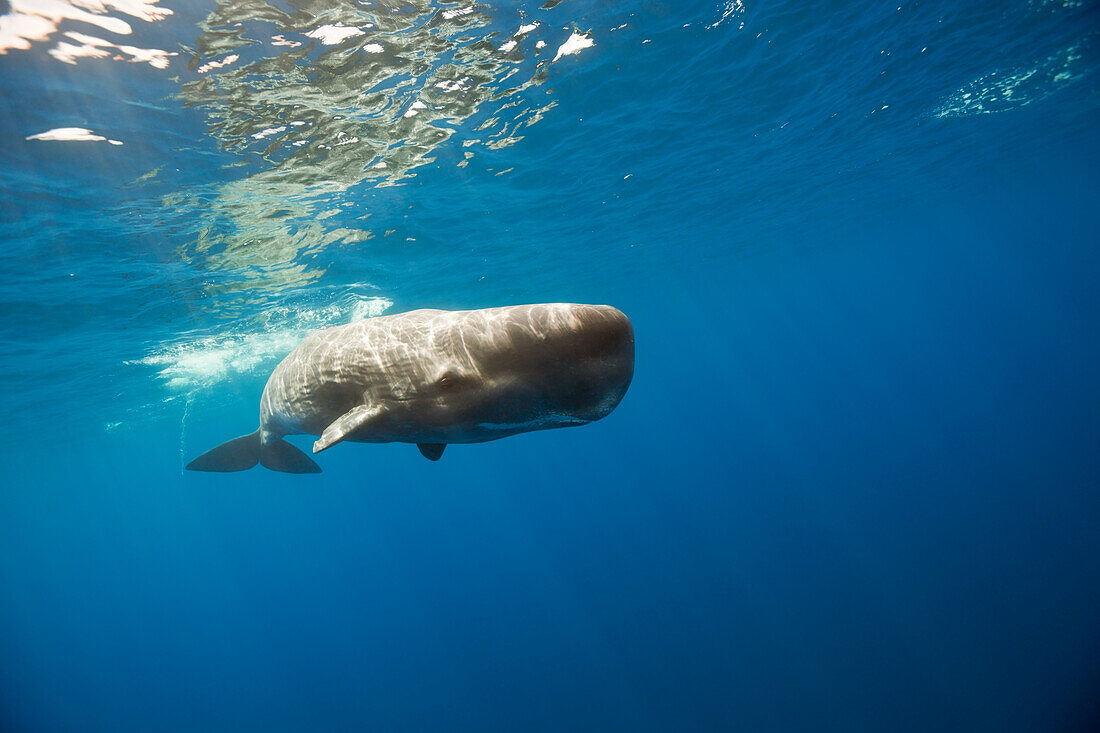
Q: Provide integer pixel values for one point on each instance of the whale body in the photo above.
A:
(435, 377)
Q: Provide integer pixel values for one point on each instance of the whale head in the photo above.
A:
(526, 368)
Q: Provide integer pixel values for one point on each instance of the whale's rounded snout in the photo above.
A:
(602, 362)
(608, 336)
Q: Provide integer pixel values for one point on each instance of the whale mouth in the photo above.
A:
(546, 421)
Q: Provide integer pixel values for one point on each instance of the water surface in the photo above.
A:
(853, 485)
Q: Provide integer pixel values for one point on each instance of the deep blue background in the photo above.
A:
(854, 485)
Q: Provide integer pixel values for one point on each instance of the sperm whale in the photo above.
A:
(435, 377)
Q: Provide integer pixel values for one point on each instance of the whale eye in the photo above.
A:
(453, 380)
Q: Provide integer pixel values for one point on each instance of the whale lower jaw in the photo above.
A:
(486, 431)
(482, 432)
(555, 421)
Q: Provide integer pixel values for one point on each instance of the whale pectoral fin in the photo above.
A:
(431, 451)
(345, 425)
(239, 454)
(282, 456)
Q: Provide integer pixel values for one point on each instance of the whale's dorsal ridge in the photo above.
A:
(345, 425)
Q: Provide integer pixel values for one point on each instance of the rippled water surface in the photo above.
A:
(852, 487)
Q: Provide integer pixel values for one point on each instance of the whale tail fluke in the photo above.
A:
(282, 456)
(241, 454)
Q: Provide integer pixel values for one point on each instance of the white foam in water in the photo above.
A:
(574, 44)
(252, 348)
(415, 108)
(71, 134)
(451, 14)
(32, 21)
(369, 308)
(280, 40)
(453, 85)
(1044, 4)
(93, 47)
(208, 361)
(269, 131)
(330, 35)
(730, 7)
(211, 65)
(1003, 90)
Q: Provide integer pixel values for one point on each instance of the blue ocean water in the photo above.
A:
(854, 486)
